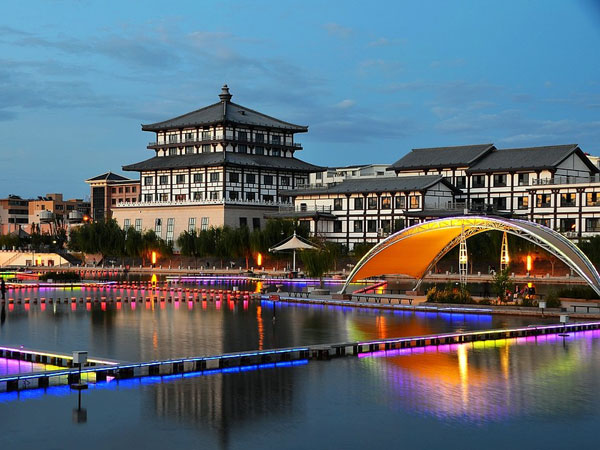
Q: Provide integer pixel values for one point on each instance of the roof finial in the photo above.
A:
(225, 96)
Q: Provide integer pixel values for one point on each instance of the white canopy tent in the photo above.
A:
(293, 243)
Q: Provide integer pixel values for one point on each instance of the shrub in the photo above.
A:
(456, 295)
(552, 300)
(584, 292)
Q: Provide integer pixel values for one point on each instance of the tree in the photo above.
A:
(317, 263)
(502, 283)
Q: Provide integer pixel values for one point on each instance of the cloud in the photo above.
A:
(337, 30)
(344, 104)
(385, 42)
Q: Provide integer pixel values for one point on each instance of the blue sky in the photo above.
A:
(371, 79)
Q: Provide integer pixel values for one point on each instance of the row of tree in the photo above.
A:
(108, 239)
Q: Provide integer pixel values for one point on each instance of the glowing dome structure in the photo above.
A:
(415, 250)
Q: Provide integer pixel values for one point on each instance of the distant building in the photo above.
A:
(109, 189)
(338, 174)
(14, 214)
(223, 164)
(51, 212)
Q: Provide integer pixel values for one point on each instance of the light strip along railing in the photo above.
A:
(8, 352)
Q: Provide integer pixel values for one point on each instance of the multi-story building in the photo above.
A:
(557, 186)
(223, 164)
(338, 174)
(14, 214)
(109, 189)
(52, 211)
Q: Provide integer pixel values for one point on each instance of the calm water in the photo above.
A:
(158, 330)
(528, 393)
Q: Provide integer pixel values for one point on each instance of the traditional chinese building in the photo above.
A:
(223, 164)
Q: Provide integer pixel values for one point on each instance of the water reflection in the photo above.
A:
(491, 381)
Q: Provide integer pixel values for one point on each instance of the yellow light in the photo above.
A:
(154, 279)
(530, 284)
(153, 258)
(259, 259)
(529, 263)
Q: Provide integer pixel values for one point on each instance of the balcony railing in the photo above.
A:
(305, 208)
(202, 202)
(220, 137)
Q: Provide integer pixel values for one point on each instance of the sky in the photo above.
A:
(372, 80)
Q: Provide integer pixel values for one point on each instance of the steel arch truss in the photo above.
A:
(546, 238)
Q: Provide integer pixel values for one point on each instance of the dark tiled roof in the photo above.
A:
(109, 176)
(383, 184)
(532, 158)
(223, 111)
(223, 158)
(441, 157)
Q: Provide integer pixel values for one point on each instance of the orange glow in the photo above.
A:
(529, 263)
(154, 279)
(153, 258)
(259, 259)
(86, 218)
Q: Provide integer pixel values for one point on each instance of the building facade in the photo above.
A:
(333, 175)
(556, 186)
(14, 214)
(51, 212)
(223, 164)
(110, 189)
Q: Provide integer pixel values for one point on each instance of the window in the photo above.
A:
(499, 203)
(204, 224)
(386, 226)
(242, 148)
(358, 226)
(259, 150)
(197, 195)
(372, 203)
(478, 181)
(592, 199)
(386, 202)
(138, 225)
(214, 195)
(126, 224)
(300, 181)
(163, 179)
(259, 137)
(133, 189)
(114, 190)
(522, 202)
(500, 180)
(205, 148)
(337, 226)
(180, 179)
(120, 192)
(337, 204)
(242, 136)
(170, 229)
(267, 198)
(592, 224)
(567, 225)
(567, 199)
(215, 177)
(173, 139)
(371, 226)
(413, 201)
(127, 189)
(319, 175)
(191, 224)
(113, 201)
(233, 195)
(250, 196)
(543, 222)
(243, 222)
(523, 179)
(172, 151)
(284, 199)
(158, 227)
(359, 203)
(189, 137)
(268, 179)
(206, 135)
(189, 150)
(400, 201)
(197, 178)
(542, 200)
(285, 181)
(276, 152)
(250, 178)
(180, 197)
(276, 140)
(398, 224)
(234, 177)
(461, 182)
(148, 198)
(256, 223)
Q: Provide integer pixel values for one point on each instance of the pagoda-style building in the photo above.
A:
(223, 164)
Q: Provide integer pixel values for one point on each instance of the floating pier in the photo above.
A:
(103, 371)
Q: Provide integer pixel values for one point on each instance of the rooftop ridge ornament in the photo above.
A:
(225, 96)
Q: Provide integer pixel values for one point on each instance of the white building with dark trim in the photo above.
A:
(223, 164)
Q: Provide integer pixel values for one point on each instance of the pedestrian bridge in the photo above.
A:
(415, 250)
